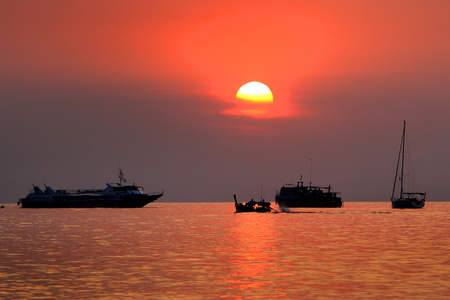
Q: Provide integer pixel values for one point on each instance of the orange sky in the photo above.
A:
(223, 44)
(341, 71)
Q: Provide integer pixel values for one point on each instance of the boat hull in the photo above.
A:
(407, 203)
(240, 208)
(307, 202)
(89, 201)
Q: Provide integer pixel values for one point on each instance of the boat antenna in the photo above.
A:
(121, 177)
(261, 192)
(310, 172)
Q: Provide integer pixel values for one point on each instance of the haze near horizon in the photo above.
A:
(150, 86)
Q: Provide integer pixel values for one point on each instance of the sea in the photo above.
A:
(187, 250)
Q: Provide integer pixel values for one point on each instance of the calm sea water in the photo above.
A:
(206, 251)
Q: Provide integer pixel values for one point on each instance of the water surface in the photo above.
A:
(206, 251)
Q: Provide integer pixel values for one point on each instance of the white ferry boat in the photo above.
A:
(114, 195)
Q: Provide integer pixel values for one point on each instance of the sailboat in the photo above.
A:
(406, 199)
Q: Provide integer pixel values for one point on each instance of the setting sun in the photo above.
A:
(255, 91)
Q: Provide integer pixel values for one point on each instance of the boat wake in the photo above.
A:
(286, 210)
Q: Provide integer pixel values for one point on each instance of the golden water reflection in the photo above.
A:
(256, 262)
(205, 251)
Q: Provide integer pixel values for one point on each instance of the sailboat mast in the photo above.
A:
(403, 159)
(398, 164)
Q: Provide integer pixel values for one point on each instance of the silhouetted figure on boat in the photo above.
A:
(252, 206)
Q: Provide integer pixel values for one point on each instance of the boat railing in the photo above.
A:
(415, 193)
(325, 190)
(74, 191)
(422, 195)
(153, 194)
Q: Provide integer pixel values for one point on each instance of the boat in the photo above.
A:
(252, 206)
(301, 195)
(405, 199)
(114, 195)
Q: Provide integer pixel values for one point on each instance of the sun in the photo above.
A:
(256, 92)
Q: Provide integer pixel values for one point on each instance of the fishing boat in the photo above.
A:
(114, 195)
(252, 206)
(405, 199)
(301, 195)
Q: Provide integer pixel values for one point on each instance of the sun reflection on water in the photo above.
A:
(197, 250)
(256, 258)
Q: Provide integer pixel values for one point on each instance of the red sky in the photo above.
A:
(88, 85)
